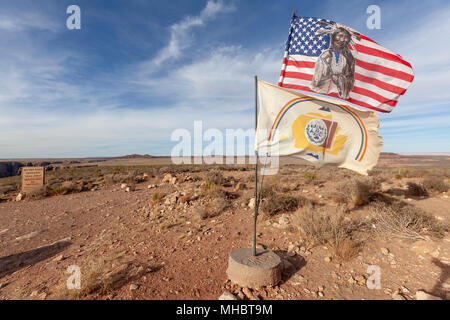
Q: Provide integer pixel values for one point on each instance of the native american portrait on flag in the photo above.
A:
(329, 58)
(335, 65)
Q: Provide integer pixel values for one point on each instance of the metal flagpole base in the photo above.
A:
(250, 271)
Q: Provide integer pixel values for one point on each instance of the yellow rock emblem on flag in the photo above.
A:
(328, 140)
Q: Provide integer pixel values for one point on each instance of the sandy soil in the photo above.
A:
(126, 251)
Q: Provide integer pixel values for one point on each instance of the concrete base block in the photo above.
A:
(251, 271)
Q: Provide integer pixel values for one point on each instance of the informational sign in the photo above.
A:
(32, 178)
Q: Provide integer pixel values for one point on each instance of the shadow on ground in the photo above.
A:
(438, 289)
(290, 264)
(15, 262)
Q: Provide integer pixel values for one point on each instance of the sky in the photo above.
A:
(138, 70)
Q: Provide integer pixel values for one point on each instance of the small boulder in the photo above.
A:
(167, 177)
(20, 197)
(251, 203)
(58, 258)
(239, 186)
(227, 296)
(422, 295)
(398, 296)
(133, 287)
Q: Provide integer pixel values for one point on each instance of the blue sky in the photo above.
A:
(138, 70)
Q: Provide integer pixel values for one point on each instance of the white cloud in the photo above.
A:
(180, 38)
(222, 79)
(25, 21)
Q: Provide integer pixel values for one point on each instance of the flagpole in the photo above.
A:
(256, 170)
(285, 57)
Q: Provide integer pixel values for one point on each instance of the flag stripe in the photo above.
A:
(386, 71)
(381, 54)
(380, 84)
(301, 64)
(387, 63)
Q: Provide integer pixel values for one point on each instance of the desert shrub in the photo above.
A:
(39, 193)
(374, 172)
(416, 190)
(212, 209)
(405, 221)
(328, 226)
(217, 206)
(109, 179)
(211, 190)
(6, 189)
(200, 212)
(309, 177)
(357, 192)
(156, 196)
(215, 177)
(436, 184)
(361, 193)
(66, 187)
(57, 191)
(276, 203)
(101, 275)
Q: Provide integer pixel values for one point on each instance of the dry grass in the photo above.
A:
(309, 177)
(211, 190)
(404, 221)
(160, 193)
(212, 209)
(275, 203)
(356, 192)
(216, 177)
(330, 227)
(99, 277)
(416, 190)
(436, 184)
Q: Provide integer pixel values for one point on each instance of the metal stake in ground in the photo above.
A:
(256, 169)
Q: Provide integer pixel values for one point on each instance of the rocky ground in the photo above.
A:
(169, 237)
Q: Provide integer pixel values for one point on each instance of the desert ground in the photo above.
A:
(142, 228)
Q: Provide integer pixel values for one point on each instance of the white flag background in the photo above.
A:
(318, 130)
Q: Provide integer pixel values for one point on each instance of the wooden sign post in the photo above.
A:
(33, 178)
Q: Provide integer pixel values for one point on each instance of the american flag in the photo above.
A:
(376, 78)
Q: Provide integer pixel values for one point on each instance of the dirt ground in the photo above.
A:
(126, 249)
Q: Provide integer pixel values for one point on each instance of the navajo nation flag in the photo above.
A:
(318, 130)
(326, 57)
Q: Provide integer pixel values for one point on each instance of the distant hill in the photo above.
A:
(390, 155)
(135, 156)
